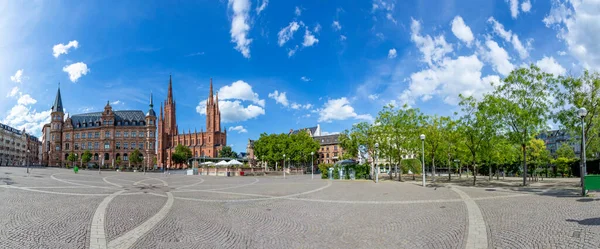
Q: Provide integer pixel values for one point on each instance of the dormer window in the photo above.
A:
(134, 123)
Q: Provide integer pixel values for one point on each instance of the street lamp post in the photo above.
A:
(283, 166)
(582, 113)
(376, 166)
(423, 157)
(312, 165)
(26, 157)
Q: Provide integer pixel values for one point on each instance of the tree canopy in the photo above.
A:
(228, 152)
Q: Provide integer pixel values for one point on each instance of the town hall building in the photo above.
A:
(202, 144)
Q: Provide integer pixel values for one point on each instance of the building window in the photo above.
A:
(57, 148)
(125, 134)
(83, 146)
(118, 134)
(90, 145)
(52, 138)
(118, 146)
(141, 134)
(335, 147)
(151, 134)
(133, 145)
(76, 146)
(133, 134)
(83, 135)
(106, 145)
(68, 136)
(67, 146)
(151, 145)
(141, 145)
(89, 135)
(96, 145)
(125, 157)
(107, 134)
(335, 154)
(125, 145)
(97, 135)
(151, 122)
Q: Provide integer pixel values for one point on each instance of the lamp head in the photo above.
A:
(582, 112)
(422, 136)
(312, 153)
(376, 145)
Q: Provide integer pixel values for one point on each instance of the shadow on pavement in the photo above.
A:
(587, 222)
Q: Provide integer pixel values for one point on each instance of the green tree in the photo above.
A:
(86, 157)
(475, 126)
(182, 154)
(227, 152)
(119, 161)
(565, 156)
(538, 156)
(349, 145)
(435, 129)
(522, 102)
(577, 92)
(135, 157)
(72, 158)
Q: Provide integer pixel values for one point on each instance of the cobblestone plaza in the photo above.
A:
(55, 208)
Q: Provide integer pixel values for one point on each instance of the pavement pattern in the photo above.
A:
(56, 208)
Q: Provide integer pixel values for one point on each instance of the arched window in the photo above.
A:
(106, 156)
(96, 157)
(125, 157)
(66, 156)
(117, 156)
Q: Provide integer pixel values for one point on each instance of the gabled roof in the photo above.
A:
(312, 130)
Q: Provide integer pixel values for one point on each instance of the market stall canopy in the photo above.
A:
(235, 162)
(207, 163)
(222, 163)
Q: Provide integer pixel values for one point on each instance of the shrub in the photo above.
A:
(324, 168)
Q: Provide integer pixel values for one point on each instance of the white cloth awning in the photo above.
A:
(235, 162)
(222, 163)
(207, 163)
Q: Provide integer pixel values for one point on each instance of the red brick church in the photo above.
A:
(204, 143)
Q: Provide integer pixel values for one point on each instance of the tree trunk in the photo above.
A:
(449, 172)
(489, 170)
(400, 172)
(474, 173)
(433, 168)
(524, 164)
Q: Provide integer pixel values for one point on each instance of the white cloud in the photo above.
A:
(549, 65)
(461, 30)
(233, 111)
(305, 79)
(279, 97)
(343, 38)
(13, 92)
(309, 39)
(18, 77)
(509, 37)
(448, 79)
(325, 133)
(242, 91)
(433, 50)
(576, 23)
(22, 117)
(59, 49)
(514, 8)
(117, 102)
(392, 53)
(76, 70)
(390, 17)
(373, 96)
(292, 51)
(380, 36)
(297, 106)
(526, 6)
(240, 26)
(262, 6)
(26, 100)
(498, 57)
(317, 28)
(287, 33)
(336, 25)
(239, 129)
(561, 53)
(298, 11)
(340, 109)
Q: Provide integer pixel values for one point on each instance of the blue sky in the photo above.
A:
(279, 65)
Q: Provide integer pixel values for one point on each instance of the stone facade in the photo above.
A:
(330, 150)
(108, 135)
(33, 150)
(202, 144)
(13, 146)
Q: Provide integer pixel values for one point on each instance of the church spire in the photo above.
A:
(210, 95)
(58, 106)
(170, 94)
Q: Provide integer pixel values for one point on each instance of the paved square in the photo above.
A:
(55, 208)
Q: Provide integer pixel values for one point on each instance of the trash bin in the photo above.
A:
(241, 173)
(75, 169)
(330, 173)
(228, 173)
